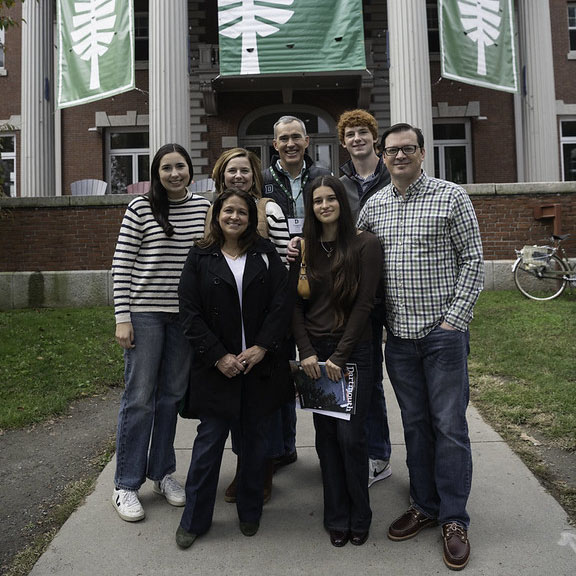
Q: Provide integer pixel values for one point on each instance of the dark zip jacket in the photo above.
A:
(356, 197)
(273, 190)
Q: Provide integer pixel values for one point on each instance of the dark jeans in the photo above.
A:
(343, 451)
(430, 379)
(379, 447)
(202, 480)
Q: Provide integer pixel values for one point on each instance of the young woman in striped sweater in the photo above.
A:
(156, 234)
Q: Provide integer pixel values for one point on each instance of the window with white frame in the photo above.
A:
(453, 151)
(2, 54)
(572, 25)
(568, 145)
(8, 164)
(128, 153)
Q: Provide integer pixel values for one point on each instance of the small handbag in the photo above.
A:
(303, 284)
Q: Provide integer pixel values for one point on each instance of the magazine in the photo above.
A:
(325, 396)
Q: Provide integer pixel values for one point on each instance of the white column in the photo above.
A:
(169, 81)
(541, 149)
(410, 91)
(37, 146)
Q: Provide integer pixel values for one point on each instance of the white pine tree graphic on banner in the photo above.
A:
(93, 31)
(252, 22)
(481, 21)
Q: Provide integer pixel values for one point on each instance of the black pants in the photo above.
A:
(343, 451)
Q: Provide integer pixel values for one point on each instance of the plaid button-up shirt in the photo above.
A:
(433, 268)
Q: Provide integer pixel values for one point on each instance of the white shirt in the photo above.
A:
(237, 266)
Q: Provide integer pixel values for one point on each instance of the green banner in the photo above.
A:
(477, 43)
(283, 36)
(96, 50)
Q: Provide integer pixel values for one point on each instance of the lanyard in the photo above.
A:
(288, 194)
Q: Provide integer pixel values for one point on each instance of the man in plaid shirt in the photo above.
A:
(433, 272)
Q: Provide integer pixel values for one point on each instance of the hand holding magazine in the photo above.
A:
(325, 396)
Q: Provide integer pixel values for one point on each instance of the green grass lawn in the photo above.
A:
(523, 363)
(49, 357)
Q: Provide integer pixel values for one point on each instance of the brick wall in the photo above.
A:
(79, 233)
(507, 221)
(59, 234)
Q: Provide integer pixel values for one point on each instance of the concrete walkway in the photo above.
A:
(517, 527)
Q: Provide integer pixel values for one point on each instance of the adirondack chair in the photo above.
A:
(138, 187)
(88, 187)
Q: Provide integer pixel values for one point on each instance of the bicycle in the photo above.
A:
(544, 272)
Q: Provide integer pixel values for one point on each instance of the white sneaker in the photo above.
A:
(127, 505)
(171, 490)
(378, 470)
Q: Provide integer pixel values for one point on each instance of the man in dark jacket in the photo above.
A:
(363, 175)
(291, 170)
(286, 181)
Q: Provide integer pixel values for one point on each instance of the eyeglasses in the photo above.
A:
(408, 150)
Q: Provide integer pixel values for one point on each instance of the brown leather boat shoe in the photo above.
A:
(456, 546)
(409, 524)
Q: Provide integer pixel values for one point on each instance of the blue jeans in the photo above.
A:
(379, 447)
(343, 451)
(202, 480)
(156, 373)
(430, 379)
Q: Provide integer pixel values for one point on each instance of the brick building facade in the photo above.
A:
(480, 137)
(477, 131)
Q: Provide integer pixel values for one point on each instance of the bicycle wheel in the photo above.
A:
(543, 282)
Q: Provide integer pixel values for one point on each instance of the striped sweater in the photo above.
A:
(147, 264)
(277, 229)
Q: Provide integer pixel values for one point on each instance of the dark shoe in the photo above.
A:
(288, 458)
(456, 546)
(409, 524)
(249, 528)
(185, 539)
(338, 538)
(268, 481)
(358, 538)
(230, 494)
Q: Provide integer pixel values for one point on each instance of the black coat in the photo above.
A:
(211, 316)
